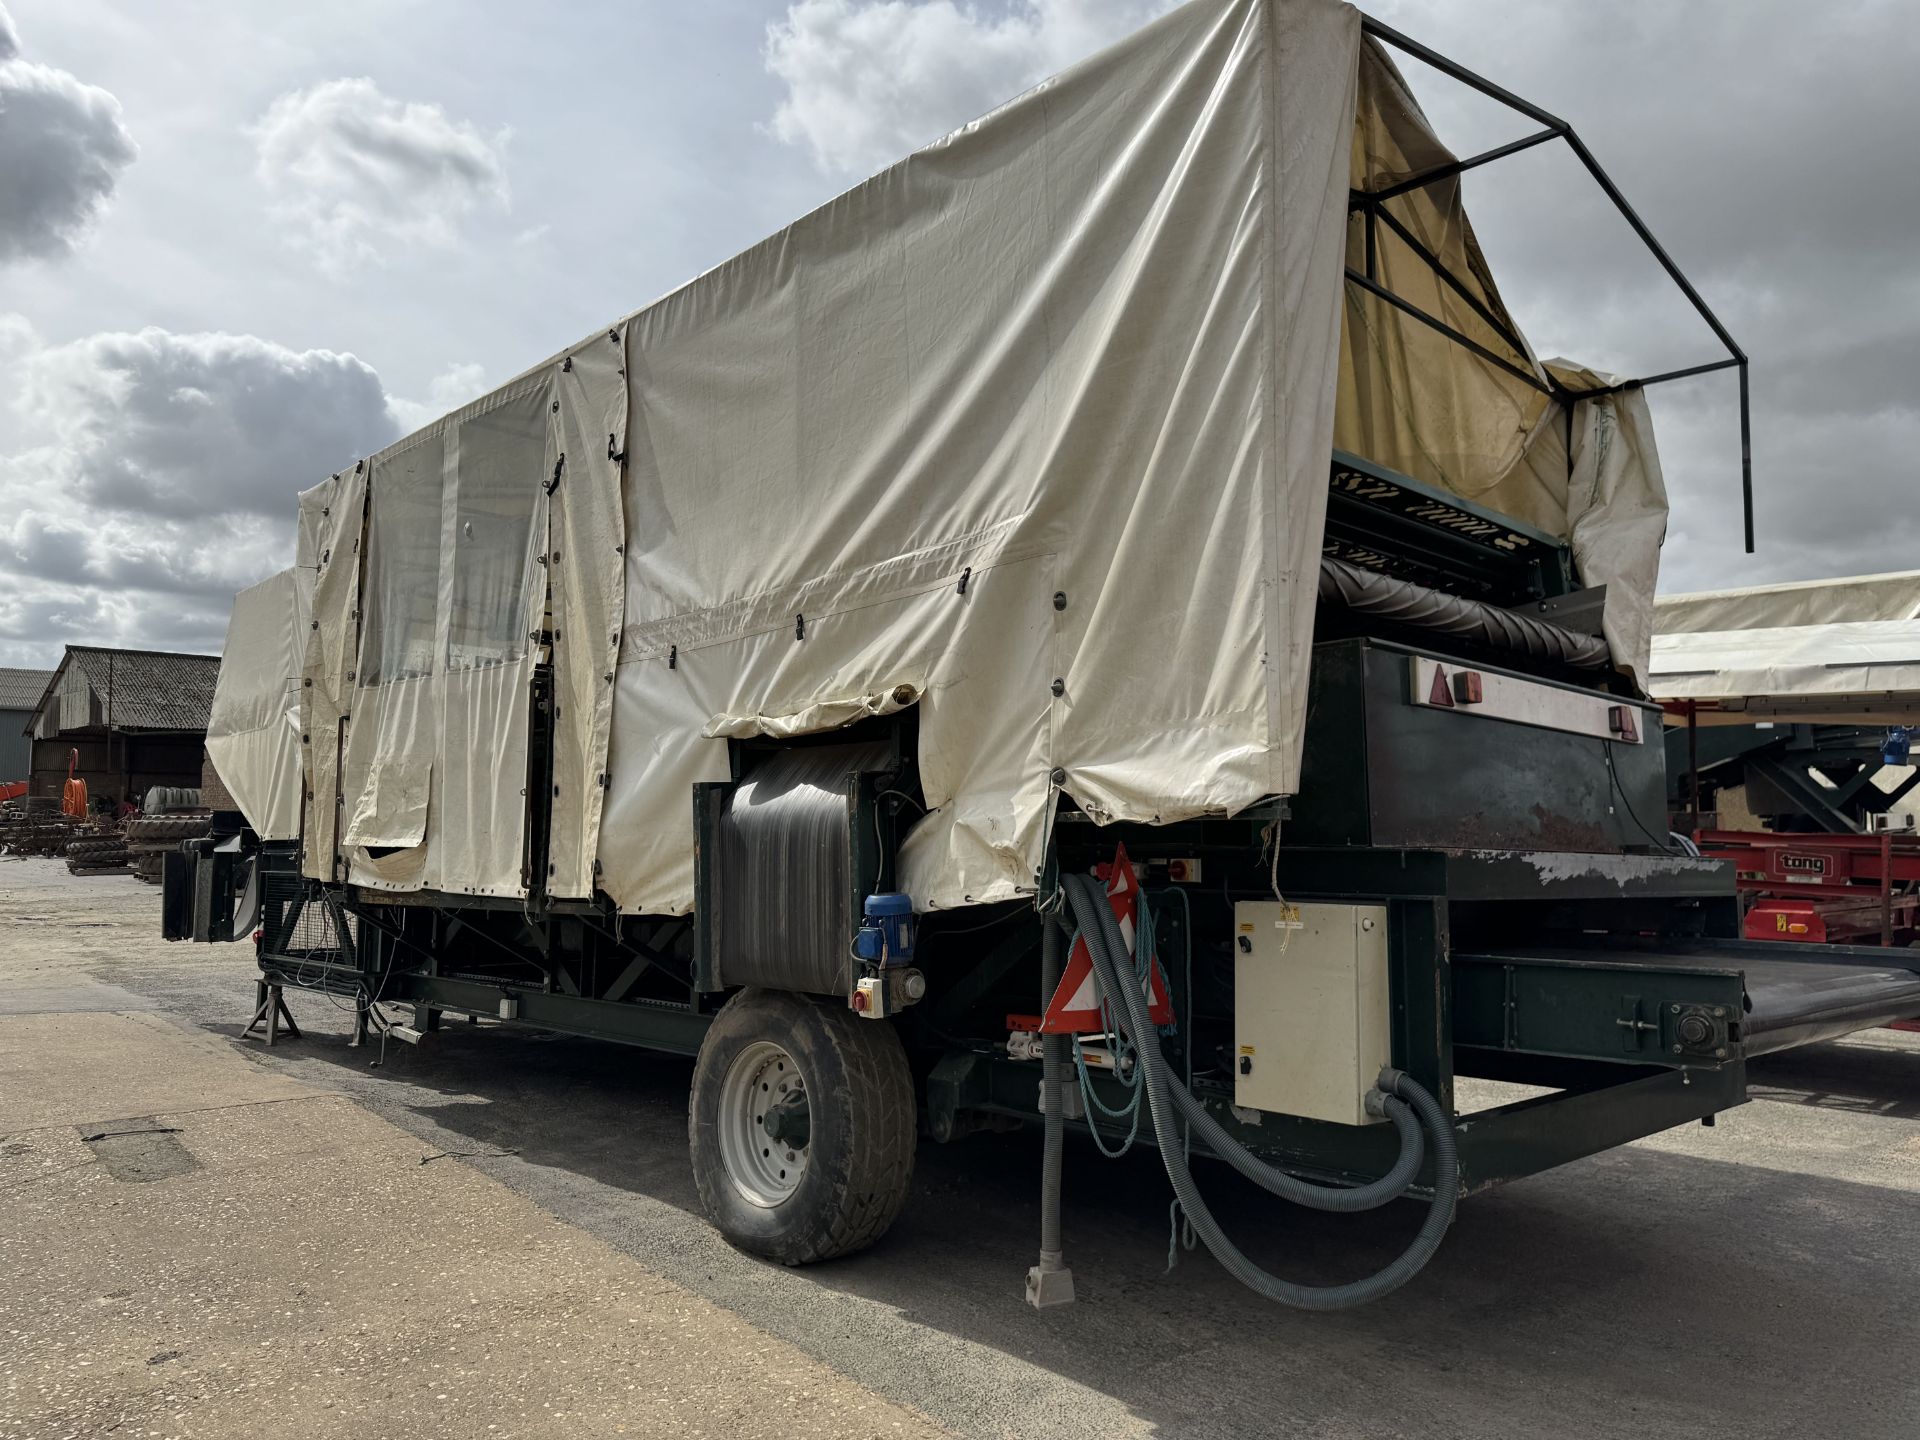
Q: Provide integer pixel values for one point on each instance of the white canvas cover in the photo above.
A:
(253, 732)
(1046, 407)
(434, 763)
(1841, 651)
(1083, 346)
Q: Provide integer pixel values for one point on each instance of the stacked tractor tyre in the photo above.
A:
(97, 854)
(150, 837)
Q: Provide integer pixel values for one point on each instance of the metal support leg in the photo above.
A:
(1051, 1282)
(359, 1036)
(270, 1013)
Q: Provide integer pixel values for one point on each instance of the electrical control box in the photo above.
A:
(1310, 1008)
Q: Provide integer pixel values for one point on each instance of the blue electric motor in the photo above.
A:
(887, 936)
(1894, 750)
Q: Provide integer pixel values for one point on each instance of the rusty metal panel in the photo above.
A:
(1384, 770)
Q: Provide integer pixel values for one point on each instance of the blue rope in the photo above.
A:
(1120, 1047)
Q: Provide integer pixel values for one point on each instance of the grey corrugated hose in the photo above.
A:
(1101, 929)
(1386, 597)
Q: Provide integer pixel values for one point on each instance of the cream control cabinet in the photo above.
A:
(1310, 1008)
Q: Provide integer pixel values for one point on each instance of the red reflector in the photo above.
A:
(1466, 687)
(1176, 870)
(1620, 720)
(1440, 693)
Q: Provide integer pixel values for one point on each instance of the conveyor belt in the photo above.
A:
(1801, 1002)
(1796, 994)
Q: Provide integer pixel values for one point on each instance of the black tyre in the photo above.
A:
(802, 1126)
(167, 827)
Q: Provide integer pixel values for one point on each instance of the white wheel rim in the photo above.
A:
(764, 1169)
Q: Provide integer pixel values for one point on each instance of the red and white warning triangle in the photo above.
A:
(1075, 1007)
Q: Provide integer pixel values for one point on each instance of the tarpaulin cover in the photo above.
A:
(490, 526)
(1086, 346)
(1030, 431)
(1841, 651)
(253, 732)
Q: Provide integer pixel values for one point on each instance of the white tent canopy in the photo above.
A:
(1030, 431)
(1841, 651)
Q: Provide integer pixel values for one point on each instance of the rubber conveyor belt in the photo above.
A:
(1796, 994)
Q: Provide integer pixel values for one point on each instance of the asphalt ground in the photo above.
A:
(1753, 1279)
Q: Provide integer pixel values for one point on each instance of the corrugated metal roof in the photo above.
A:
(149, 689)
(22, 689)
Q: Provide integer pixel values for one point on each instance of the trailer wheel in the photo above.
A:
(802, 1127)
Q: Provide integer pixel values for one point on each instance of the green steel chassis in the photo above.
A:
(1602, 1035)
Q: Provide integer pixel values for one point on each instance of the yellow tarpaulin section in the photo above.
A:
(1416, 401)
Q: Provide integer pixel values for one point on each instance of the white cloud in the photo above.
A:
(62, 148)
(17, 337)
(360, 177)
(868, 81)
(163, 424)
(446, 392)
(166, 480)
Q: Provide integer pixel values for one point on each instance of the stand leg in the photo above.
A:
(270, 1013)
(261, 1000)
(1050, 1282)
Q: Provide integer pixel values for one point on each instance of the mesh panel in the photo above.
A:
(301, 925)
(403, 563)
(496, 498)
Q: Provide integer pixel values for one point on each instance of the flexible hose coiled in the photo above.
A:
(1385, 597)
(1407, 1103)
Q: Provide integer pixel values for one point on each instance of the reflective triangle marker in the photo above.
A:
(1075, 1007)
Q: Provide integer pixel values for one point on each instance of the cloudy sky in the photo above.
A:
(242, 244)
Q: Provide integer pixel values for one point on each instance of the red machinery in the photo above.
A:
(1847, 889)
(1820, 889)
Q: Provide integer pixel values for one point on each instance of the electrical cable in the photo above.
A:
(1606, 748)
(943, 934)
(880, 839)
(1125, 1064)
(1397, 1093)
